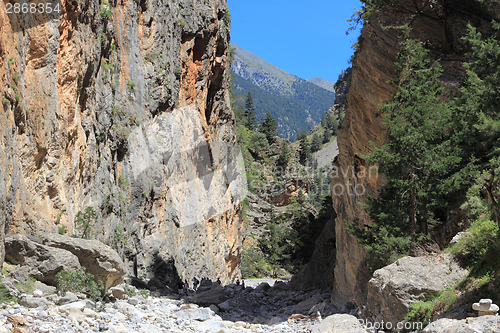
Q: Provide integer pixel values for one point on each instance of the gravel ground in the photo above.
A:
(326, 155)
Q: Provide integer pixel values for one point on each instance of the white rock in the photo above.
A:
(119, 316)
(339, 323)
(68, 298)
(89, 313)
(76, 314)
(118, 329)
(37, 293)
(241, 324)
(211, 326)
(80, 305)
(30, 302)
(133, 301)
(117, 292)
(200, 314)
(42, 329)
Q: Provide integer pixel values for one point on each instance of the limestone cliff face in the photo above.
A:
(373, 67)
(81, 91)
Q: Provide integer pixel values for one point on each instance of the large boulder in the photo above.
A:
(324, 308)
(215, 295)
(98, 258)
(37, 260)
(306, 305)
(394, 288)
(339, 323)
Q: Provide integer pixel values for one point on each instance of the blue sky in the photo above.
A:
(305, 38)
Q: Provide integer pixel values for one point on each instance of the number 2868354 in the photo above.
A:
(47, 7)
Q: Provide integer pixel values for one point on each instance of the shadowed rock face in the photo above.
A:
(78, 87)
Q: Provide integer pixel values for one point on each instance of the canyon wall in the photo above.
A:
(440, 29)
(105, 105)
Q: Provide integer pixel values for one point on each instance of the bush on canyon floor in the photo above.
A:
(28, 287)
(424, 311)
(79, 281)
(5, 296)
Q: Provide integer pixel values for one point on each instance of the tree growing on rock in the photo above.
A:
(315, 143)
(86, 221)
(305, 151)
(420, 160)
(327, 135)
(420, 156)
(268, 127)
(250, 120)
(284, 156)
(478, 119)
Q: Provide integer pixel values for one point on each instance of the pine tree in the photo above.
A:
(258, 145)
(478, 120)
(327, 135)
(268, 127)
(305, 151)
(284, 156)
(323, 121)
(250, 120)
(315, 143)
(277, 242)
(331, 122)
(420, 158)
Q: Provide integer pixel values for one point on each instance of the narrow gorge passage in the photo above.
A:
(229, 166)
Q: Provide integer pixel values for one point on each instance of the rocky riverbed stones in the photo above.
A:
(248, 311)
(483, 324)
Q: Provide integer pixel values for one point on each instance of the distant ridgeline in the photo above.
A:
(296, 104)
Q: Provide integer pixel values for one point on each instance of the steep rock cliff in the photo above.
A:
(373, 68)
(81, 90)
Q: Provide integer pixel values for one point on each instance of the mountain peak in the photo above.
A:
(296, 104)
(261, 73)
(322, 83)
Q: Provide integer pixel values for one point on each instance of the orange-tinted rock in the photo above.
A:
(75, 89)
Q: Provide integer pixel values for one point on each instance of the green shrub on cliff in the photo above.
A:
(86, 221)
(258, 145)
(105, 10)
(254, 264)
(473, 247)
